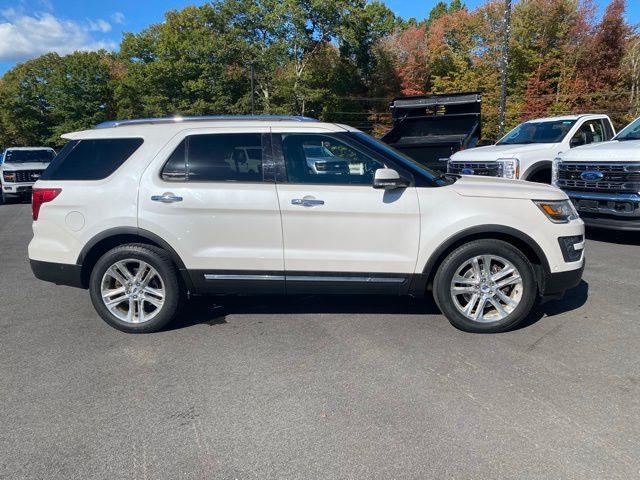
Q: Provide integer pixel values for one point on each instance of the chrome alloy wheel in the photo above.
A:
(486, 288)
(133, 291)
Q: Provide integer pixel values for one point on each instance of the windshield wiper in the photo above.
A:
(624, 139)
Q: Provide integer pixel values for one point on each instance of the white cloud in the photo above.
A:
(118, 18)
(26, 36)
(99, 26)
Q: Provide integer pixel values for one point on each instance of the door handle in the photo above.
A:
(166, 198)
(306, 202)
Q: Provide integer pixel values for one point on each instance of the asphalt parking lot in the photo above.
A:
(320, 387)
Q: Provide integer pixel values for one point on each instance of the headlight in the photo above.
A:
(510, 167)
(558, 211)
(9, 176)
(554, 171)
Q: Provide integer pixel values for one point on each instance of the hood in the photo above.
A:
(494, 152)
(494, 187)
(613, 151)
(24, 166)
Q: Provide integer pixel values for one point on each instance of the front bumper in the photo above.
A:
(608, 210)
(17, 188)
(554, 284)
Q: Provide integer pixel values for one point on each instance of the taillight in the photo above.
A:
(40, 196)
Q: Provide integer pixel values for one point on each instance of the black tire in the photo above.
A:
(160, 261)
(443, 294)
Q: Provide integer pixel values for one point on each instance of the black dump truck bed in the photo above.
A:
(431, 128)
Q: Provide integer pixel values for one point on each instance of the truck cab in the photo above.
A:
(603, 180)
(20, 168)
(527, 151)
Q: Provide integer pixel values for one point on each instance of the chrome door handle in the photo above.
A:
(307, 202)
(166, 198)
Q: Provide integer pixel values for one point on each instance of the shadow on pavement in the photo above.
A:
(214, 310)
(613, 236)
(572, 300)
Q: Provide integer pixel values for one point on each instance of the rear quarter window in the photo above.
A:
(91, 159)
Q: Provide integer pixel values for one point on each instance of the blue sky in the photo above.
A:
(29, 28)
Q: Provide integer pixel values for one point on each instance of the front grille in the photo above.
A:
(615, 178)
(27, 176)
(485, 169)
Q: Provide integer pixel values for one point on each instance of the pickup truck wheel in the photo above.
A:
(135, 288)
(485, 286)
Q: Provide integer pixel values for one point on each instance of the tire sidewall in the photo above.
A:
(442, 285)
(164, 267)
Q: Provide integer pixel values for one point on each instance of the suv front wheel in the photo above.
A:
(135, 288)
(485, 286)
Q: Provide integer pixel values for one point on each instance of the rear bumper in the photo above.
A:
(58, 273)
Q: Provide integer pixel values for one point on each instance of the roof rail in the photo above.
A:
(205, 118)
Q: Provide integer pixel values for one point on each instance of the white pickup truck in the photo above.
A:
(527, 151)
(20, 168)
(603, 180)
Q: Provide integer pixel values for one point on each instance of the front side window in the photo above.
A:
(591, 131)
(235, 157)
(325, 159)
(538, 132)
(630, 132)
(91, 159)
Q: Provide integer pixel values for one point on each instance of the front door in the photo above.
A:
(212, 197)
(339, 232)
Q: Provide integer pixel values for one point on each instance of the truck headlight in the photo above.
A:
(558, 211)
(9, 176)
(554, 171)
(510, 167)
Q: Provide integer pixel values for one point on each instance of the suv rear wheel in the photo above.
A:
(485, 286)
(135, 288)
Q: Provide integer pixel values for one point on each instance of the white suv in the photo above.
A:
(145, 212)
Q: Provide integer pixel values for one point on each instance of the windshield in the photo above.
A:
(26, 156)
(538, 132)
(630, 132)
(398, 156)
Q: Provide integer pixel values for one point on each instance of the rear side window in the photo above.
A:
(233, 157)
(91, 159)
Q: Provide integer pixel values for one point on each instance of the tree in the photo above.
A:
(51, 95)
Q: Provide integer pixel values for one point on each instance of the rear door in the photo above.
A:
(212, 197)
(340, 234)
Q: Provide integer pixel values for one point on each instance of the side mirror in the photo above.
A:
(388, 179)
(576, 142)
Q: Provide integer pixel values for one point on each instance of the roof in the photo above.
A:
(29, 148)
(205, 118)
(567, 117)
(169, 126)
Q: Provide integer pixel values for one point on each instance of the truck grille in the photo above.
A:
(600, 177)
(27, 176)
(485, 169)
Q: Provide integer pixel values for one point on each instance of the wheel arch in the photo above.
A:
(538, 168)
(105, 241)
(527, 245)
